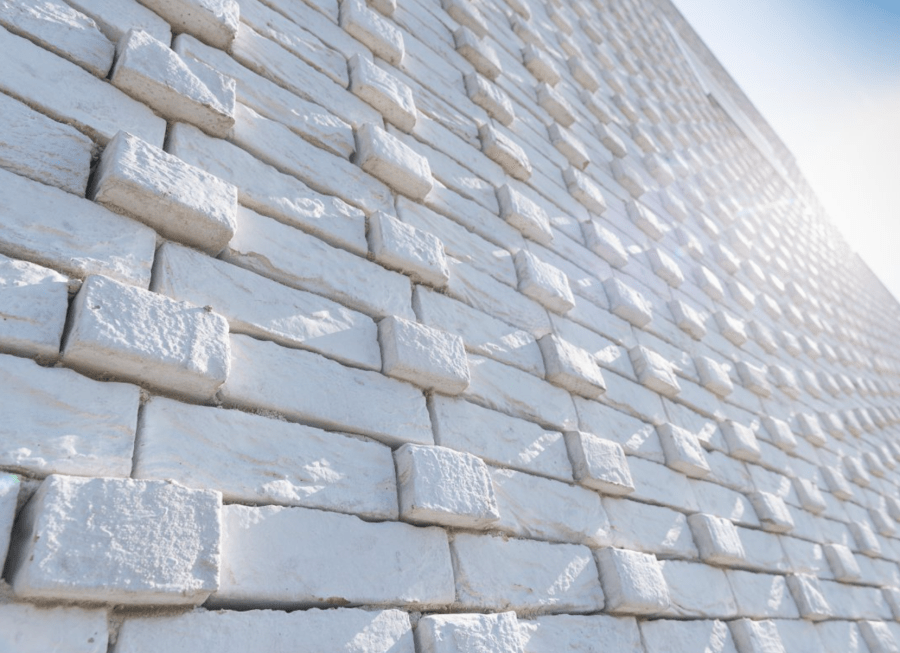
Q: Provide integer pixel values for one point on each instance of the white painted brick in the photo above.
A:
(408, 249)
(300, 260)
(611, 140)
(425, 356)
(584, 190)
(683, 451)
(508, 154)
(569, 146)
(35, 301)
(632, 582)
(761, 596)
(151, 72)
(648, 528)
(709, 283)
(304, 631)
(266, 376)
(754, 378)
(524, 214)
(387, 158)
(87, 429)
(214, 22)
(252, 459)
(773, 513)
(498, 438)
(504, 574)
(713, 376)
(391, 97)
(627, 303)
(866, 541)
(697, 591)
(571, 367)
(490, 98)
(34, 146)
(147, 338)
(441, 486)
(26, 628)
(477, 52)
(843, 565)
(740, 440)
(461, 633)
(115, 17)
(717, 539)
(664, 636)
(179, 201)
(643, 218)
(599, 464)
(37, 227)
(598, 632)
(878, 637)
(540, 65)
(810, 495)
(836, 482)
(780, 433)
(465, 13)
(117, 541)
(756, 636)
(295, 557)
(654, 371)
(604, 244)
(731, 327)
(583, 74)
(892, 598)
(882, 522)
(665, 267)
(9, 495)
(631, 180)
(543, 509)
(841, 637)
(544, 283)
(555, 104)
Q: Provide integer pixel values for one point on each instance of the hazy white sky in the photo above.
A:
(826, 75)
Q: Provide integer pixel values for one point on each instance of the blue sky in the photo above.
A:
(826, 75)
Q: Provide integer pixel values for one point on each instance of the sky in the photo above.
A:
(826, 76)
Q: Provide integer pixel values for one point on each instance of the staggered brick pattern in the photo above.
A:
(425, 326)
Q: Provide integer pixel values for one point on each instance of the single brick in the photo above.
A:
(385, 157)
(809, 597)
(348, 630)
(731, 327)
(584, 190)
(785, 380)
(215, 22)
(467, 633)
(508, 154)
(856, 472)
(843, 564)
(490, 98)
(654, 371)
(717, 540)
(376, 33)
(706, 636)
(713, 376)
(544, 283)
(540, 65)
(391, 97)
(665, 267)
(754, 379)
(837, 482)
(865, 538)
(406, 249)
(879, 638)
(477, 52)
(553, 102)
(611, 140)
(740, 440)
(583, 74)
(682, 451)
(179, 201)
(26, 628)
(599, 464)
(441, 486)
(756, 636)
(117, 541)
(9, 496)
(673, 204)
(631, 180)
(569, 146)
(645, 220)
(571, 367)
(773, 513)
(524, 214)
(465, 13)
(428, 357)
(34, 300)
(592, 633)
(709, 284)
(151, 72)
(810, 495)
(604, 244)
(147, 338)
(687, 319)
(882, 522)
(892, 598)
(627, 303)
(632, 582)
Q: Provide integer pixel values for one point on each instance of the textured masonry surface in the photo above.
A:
(426, 326)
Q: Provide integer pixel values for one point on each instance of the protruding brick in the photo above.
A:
(627, 303)
(773, 513)
(26, 628)
(629, 178)
(179, 201)
(599, 464)
(584, 190)
(865, 539)
(505, 152)
(544, 283)
(569, 146)
(682, 451)
(709, 283)
(524, 214)
(376, 33)
(465, 633)
(836, 482)
(632, 582)
(571, 367)
(540, 65)
(153, 73)
(490, 98)
(754, 379)
(437, 485)
(9, 495)
(811, 429)
(477, 52)
(717, 539)
(756, 636)
(555, 104)
(665, 267)
(882, 522)
(406, 249)
(645, 219)
(878, 636)
(807, 593)
(604, 244)
(843, 564)
(215, 22)
(117, 541)
(741, 441)
(422, 355)
(713, 376)
(810, 495)
(654, 371)
(384, 156)
(147, 338)
(465, 13)
(391, 97)
(687, 319)
(731, 327)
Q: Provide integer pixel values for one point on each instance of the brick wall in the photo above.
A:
(424, 326)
